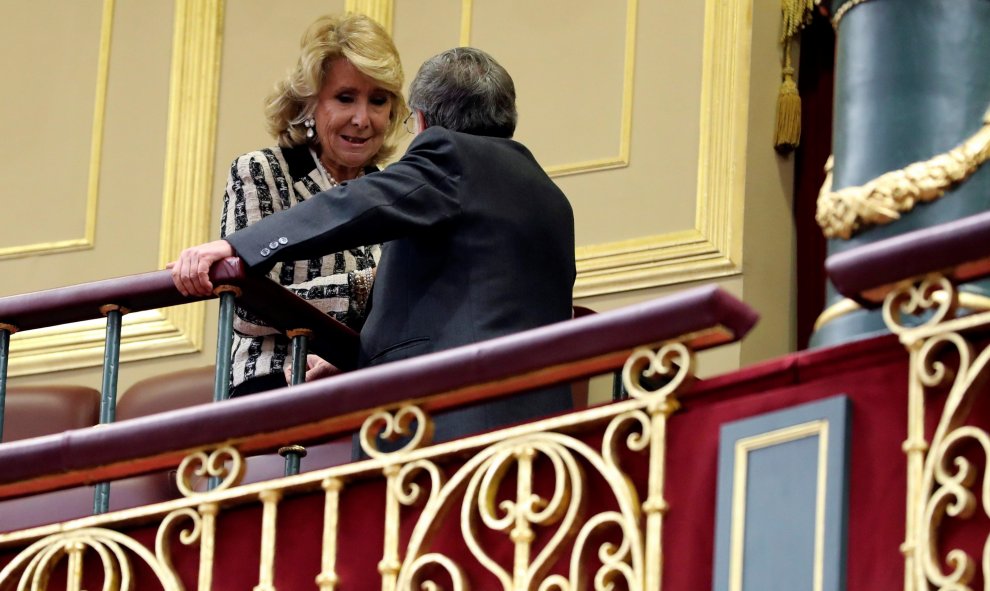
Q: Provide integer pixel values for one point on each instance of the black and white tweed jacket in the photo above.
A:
(264, 182)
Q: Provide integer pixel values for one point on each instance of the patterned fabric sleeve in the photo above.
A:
(338, 283)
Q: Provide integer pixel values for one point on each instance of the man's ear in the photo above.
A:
(421, 120)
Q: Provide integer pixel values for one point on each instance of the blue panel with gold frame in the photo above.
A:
(782, 500)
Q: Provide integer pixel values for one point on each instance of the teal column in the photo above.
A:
(5, 332)
(108, 399)
(225, 339)
(293, 454)
(912, 81)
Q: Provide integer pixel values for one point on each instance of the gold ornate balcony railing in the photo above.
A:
(558, 503)
(914, 277)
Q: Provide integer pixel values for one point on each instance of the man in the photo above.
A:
(479, 242)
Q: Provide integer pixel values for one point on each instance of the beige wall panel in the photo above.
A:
(260, 45)
(131, 161)
(568, 82)
(133, 165)
(769, 248)
(50, 55)
(423, 28)
(656, 194)
(568, 61)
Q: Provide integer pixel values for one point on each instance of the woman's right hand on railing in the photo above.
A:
(191, 272)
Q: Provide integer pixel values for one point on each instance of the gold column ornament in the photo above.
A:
(882, 200)
(269, 517)
(327, 579)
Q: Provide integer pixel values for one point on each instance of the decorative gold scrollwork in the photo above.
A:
(200, 465)
(34, 565)
(408, 492)
(881, 201)
(387, 426)
(949, 473)
(673, 360)
(187, 536)
(538, 518)
(934, 294)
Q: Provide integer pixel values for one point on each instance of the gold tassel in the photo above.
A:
(788, 132)
(795, 14)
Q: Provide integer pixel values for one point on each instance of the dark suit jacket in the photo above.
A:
(478, 243)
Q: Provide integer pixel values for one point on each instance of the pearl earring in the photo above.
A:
(310, 124)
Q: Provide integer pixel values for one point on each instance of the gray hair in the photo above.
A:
(465, 89)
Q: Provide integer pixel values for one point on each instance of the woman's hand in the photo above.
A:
(191, 273)
(316, 368)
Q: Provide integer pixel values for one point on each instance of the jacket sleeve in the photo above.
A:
(414, 194)
(253, 193)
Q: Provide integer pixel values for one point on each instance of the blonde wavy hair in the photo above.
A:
(361, 41)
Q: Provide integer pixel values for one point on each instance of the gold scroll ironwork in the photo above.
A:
(882, 200)
(555, 518)
(943, 482)
(528, 485)
(33, 566)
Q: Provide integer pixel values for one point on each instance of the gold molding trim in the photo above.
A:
(743, 448)
(95, 155)
(882, 200)
(467, 9)
(192, 119)
(383, 11)
(625, 132)
(628, 74)
(713, 248)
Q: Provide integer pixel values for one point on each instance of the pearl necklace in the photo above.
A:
(327, 177)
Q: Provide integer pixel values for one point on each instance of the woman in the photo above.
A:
(335, 117)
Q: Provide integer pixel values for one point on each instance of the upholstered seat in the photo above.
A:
(34, 411)
(189, 387)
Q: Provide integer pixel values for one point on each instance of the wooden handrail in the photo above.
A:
(146, 291)
(562, 352)
(959, 249)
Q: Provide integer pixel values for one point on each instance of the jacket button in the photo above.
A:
(265, 252)
(283, 240)
(273, 245)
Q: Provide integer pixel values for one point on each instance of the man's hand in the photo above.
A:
(316, 368)
(191, 273)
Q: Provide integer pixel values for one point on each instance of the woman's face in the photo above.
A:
(351, 119)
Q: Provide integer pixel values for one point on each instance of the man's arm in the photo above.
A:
(413, 194)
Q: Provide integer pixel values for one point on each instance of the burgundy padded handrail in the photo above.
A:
(279, 307)
(960, 249)
(561, 352)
